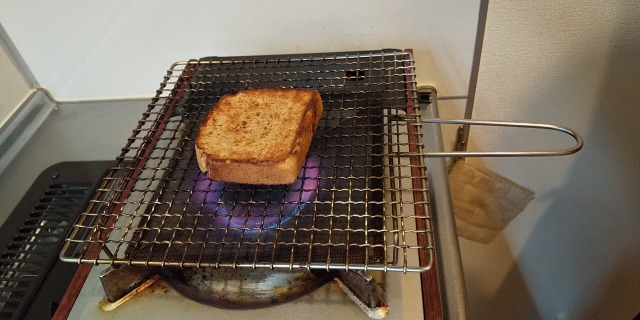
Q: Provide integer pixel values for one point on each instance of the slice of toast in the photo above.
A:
(258, 136)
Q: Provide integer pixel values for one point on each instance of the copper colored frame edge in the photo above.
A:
(430, 284)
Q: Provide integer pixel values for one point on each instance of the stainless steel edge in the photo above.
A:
(311, 266)
(448, 259)
(7, 44)
(463, 138)
(23, 124)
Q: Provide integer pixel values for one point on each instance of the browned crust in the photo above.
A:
(283, 172)
(271, 171)
(313, 105)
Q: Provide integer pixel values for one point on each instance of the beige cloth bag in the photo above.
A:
(484, 202)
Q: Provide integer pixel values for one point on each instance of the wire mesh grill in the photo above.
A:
(360, 203)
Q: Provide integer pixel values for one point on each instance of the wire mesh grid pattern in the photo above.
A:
(360, 202)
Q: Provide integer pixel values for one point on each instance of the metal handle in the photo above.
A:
(542, 153)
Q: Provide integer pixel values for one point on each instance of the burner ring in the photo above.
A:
(243, 288)
(251, 208)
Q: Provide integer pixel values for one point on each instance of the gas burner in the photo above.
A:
(243, 288)
(251, 208)
(230, 288)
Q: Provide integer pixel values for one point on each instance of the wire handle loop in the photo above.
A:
(540, 153)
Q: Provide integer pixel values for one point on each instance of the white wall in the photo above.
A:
(574, 252)
(96, 49)
(14, 88)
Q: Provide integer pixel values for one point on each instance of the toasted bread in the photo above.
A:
(258, 136)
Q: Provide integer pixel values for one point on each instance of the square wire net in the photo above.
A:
(360, 201)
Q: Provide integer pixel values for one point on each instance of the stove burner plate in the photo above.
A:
(243, 288)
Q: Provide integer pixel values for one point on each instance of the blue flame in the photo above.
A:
(252, 208)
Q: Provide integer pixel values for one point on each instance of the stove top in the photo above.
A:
(48, 197)
(406, 295)
(161, 301)
(32, 278)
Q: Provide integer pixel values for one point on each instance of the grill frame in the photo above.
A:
(386, 78)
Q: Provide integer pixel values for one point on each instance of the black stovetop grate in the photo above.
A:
(31, 239)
